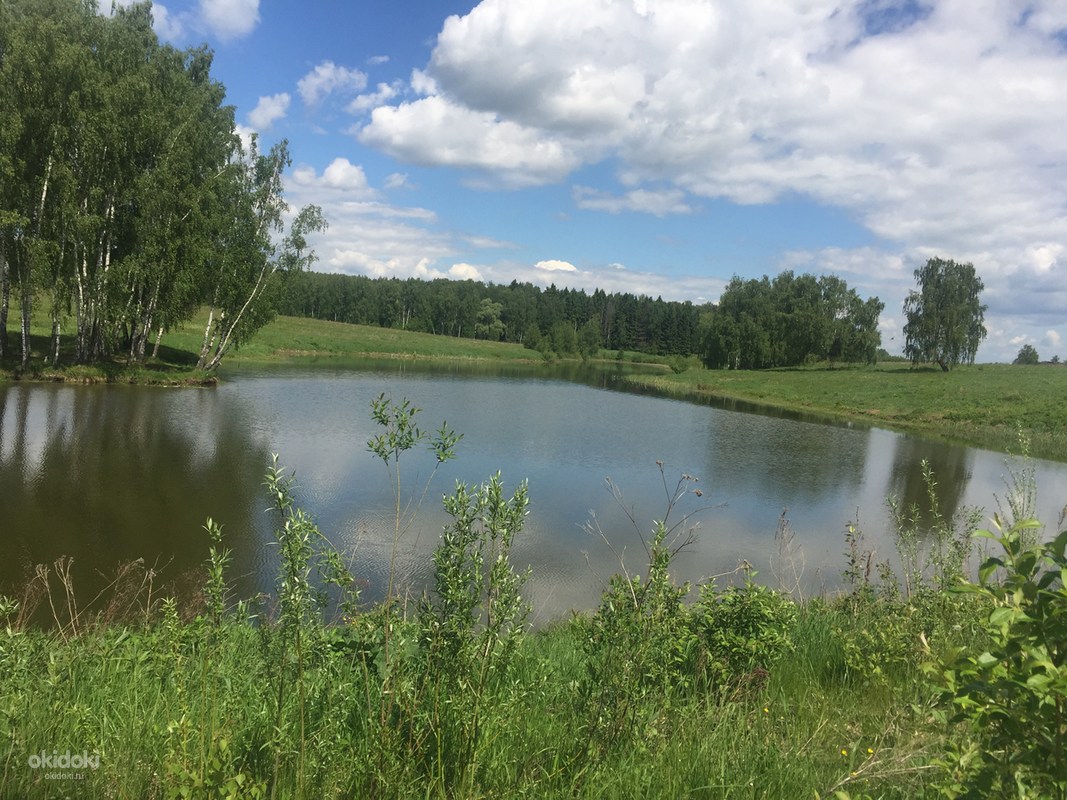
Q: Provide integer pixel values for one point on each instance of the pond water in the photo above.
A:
(107, 474)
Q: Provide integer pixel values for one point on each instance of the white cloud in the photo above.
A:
(327, 78)
(397, 180)
(553, 265)
(246, 134)
(657, 202)
(230, 19)
(339, 176)
(464, 272)
(166, 25)
(1052, 339)
(365, 102)
(422, 84)
(609, 278)
(268, 110)
(376, 60)
(223, 19)
(438, 132)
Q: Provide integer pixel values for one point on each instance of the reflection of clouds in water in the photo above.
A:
(162, 460)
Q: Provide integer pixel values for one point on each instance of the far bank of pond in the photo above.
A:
(985, 405)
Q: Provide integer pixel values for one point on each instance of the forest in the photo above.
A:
(518, 312)
(787, 321)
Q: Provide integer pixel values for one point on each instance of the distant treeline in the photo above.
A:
(787, 321)
(557, 319)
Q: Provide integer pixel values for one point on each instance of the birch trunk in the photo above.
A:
(5, 297)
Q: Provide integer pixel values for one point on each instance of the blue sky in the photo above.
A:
(663, 146)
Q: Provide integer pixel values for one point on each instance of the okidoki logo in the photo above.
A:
(67, 760)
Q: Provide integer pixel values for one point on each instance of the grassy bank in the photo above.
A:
(190, 710)
(287, 338)
(983, 405)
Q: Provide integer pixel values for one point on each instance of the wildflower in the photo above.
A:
(870, 751)
(766, 710)
(844, 751)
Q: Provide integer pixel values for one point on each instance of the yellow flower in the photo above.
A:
(870, 751)
(844, 751)
(766, 710)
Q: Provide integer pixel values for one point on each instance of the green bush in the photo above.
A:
(1007, 703)
(743, 631)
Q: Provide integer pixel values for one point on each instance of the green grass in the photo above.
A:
(155, 704)
(983, 405)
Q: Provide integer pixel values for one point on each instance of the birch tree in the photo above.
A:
(247, 260)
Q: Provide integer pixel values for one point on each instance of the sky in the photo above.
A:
(661, 147)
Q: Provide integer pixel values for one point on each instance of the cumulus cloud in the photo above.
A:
(465, 272)
(166, 25)
(229, 19)
(268, 110)
(553, 265)
(327, 78)
(441, 133)
(246, 134)
(225, 20)
(937, 126)
(365, 102)
(367, 236)
(340, 175)
(1052, 339)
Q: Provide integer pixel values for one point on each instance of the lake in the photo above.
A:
(107, 474)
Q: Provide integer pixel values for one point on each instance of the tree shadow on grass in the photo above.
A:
(169, 359)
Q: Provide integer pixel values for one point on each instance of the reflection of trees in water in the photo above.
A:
(951, 466)
(108, 475)
(793, 461)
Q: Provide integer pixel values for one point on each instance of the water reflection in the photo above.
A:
(107, 475)
(952, 469)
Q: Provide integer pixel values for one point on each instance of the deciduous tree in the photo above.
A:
(945, 317)
(1027, 355)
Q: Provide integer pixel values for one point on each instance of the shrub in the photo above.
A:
(1008, 702)
(744, 631)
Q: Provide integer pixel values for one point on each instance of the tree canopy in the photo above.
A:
(126, 200)
(1027, 355)
(790, 321)
(945, 317)
(515, 312)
